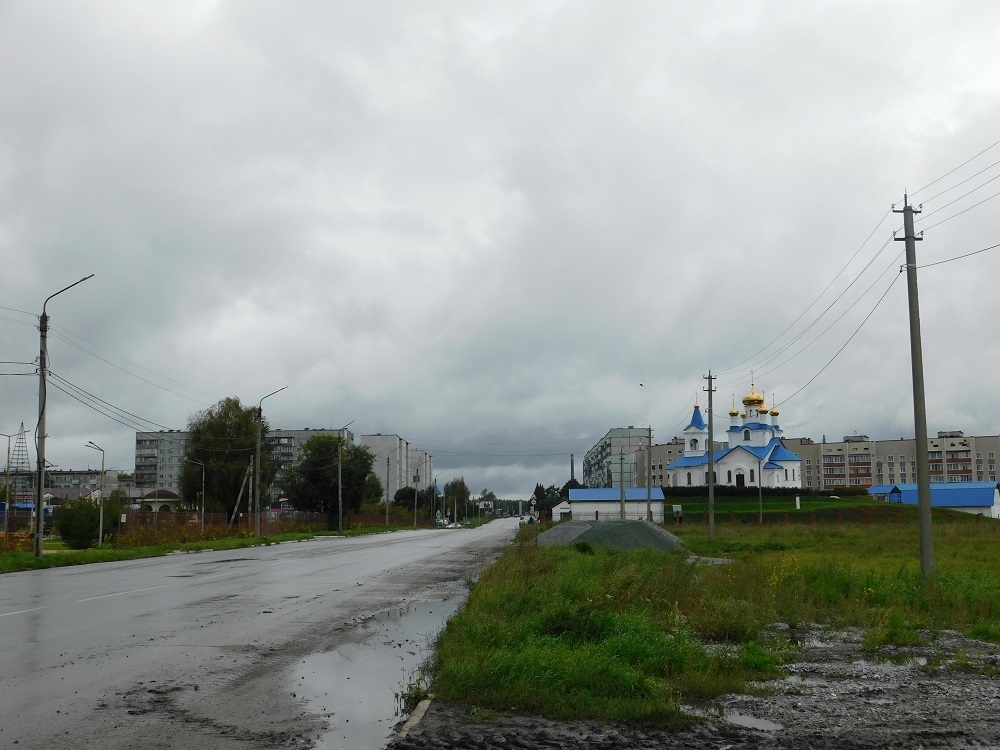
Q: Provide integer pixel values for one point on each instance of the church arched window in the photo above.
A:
(751, 475)
(694, 444)
(689, 477)
(786, 475)
(746, 435)
(729, 477)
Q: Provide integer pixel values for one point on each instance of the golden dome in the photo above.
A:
(774, 411)
(753, 398)
(734, 412)
(744, 413)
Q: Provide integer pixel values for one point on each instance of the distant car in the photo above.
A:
(454, 526)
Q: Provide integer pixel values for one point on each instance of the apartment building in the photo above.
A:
(612, 461)
(859, 461)
(392, 461)
(159, 456)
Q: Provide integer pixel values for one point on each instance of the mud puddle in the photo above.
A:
(354, 687)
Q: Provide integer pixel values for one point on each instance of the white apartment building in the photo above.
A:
(612, 461)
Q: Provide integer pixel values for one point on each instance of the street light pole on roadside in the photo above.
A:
(340, 475)
(6, 504)
(100, 522)
(196, 461)
(394, 450)
(43, 330)
(260, 431)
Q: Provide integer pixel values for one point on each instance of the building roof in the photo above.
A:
(697, 420)
(769, 454)
(613, 494)
(945, 494)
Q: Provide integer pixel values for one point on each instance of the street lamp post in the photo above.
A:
(6, 505)
(340, 475)
(100, 522)
(394, 450)
(435, 486)
(256, 494)
(196, 461)
(43, 330)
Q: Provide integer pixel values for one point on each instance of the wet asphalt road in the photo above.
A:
(196, 649)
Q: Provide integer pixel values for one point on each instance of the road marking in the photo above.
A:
(23, 611)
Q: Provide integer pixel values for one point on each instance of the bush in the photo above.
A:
(76, 521)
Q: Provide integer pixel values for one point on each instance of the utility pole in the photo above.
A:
(649, 473)
(43, 353)
(919, 404)
(711, 459)
(621, 479)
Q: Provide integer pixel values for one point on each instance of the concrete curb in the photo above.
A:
(415, 717)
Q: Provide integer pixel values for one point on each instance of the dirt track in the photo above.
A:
(945, 693)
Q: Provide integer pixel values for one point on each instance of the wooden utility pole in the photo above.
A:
(919, 403)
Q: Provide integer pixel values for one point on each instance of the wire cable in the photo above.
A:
(959, 257)
(987, 169)
(956, 168)
(974, 205)
(851, 338)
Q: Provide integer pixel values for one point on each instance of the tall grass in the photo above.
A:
(578, 631)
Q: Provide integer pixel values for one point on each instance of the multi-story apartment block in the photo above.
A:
(611, 462)
(392, 461)
(159, 456)
(859, 461)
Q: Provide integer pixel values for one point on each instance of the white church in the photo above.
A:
(755, 457)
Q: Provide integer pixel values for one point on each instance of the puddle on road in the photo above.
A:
(355, 686)
(753, 722)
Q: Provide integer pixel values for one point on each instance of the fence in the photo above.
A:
(146, 528)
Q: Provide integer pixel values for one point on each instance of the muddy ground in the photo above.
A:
(942, 694)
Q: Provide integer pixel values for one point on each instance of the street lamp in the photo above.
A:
(100, 523)
(435, 486)
(394, 450)
(256, 497)
(6, 505)
(196, 461)
(416, 491)
(43, 330)
(340, 475)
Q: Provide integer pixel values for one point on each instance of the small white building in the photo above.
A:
(604, 504)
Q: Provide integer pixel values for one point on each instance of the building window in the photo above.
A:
(751, 475)
(746, 435)
(689, 478)
(694, 444)
(729, 477)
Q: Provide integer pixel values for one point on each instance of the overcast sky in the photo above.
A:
(482, 225)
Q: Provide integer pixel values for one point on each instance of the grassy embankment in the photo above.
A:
(573, 632)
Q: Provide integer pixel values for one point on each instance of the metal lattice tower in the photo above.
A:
(20, 470)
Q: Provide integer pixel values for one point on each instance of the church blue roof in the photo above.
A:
(697, 420)
(769, 454)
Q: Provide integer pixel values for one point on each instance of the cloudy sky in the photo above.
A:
(482, 225)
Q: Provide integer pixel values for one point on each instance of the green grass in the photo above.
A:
(583, 631)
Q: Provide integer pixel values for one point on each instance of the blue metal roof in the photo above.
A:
(773, 451)
(612, 494)
(947, 494)
(697, 420)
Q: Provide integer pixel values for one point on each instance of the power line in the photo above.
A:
(837, 353)
(122, 369)
(928, 200)
(951, 203)
(959, 257)
(927, 229)
(956, 168)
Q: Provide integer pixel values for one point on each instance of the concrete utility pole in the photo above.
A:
(43, 352)
(100, 522)
(711, 459)
(621, 477)
(919, 404)
(649, 473)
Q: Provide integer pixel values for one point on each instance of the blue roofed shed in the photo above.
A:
(982, 498)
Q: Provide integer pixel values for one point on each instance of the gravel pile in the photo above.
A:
(618, 534)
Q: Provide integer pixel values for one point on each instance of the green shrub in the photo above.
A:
(76, 521)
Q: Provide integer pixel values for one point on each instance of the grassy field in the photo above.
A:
(577, 631)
